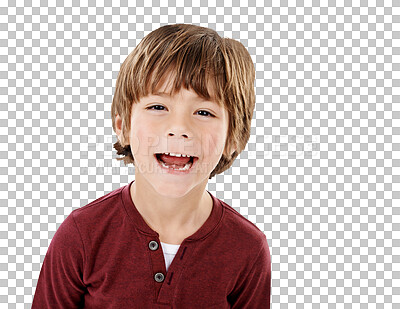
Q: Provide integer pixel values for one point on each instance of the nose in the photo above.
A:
(183, 134)
(179, 126)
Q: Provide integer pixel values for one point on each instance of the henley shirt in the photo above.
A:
(104, 255)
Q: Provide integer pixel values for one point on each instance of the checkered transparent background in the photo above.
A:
(320, 175)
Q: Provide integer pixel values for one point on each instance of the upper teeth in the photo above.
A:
(175, 154)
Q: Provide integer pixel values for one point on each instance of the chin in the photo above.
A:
(173, 185)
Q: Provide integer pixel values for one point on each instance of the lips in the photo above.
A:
(181, 160)
(193, 160)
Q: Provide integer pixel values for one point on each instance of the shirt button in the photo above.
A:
(159, 277)
(153, 245)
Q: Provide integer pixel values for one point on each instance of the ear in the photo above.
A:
(118, 130)
(232, 147)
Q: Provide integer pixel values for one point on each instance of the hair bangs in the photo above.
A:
(193, 67)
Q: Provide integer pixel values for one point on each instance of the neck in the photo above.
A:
(169, 215)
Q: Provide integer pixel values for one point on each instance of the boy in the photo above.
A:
(164, 241)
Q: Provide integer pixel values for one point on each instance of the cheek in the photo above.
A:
(146, 142)
(213, 144)
(135, 137)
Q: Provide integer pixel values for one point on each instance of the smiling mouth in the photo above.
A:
(184, 167)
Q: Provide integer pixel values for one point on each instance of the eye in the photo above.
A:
(207, 114)
(151, 107)
(211, 115)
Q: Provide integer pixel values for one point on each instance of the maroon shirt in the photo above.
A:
(104, 255)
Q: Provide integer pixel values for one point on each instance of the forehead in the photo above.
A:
(171, 84)
(190, 95)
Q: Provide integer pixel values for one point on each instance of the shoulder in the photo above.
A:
(237, 223)
(249, 244)
(243, 234)
(95, 221)
(101, 209)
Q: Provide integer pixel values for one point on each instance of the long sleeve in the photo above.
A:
(60, 283)
(254, 290)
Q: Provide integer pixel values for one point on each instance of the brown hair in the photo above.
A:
(198, 58)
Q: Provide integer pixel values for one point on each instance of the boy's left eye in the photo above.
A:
(207, 113)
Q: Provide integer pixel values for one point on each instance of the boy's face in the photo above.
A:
(182, 123)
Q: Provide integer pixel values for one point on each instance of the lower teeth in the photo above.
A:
(185, 168)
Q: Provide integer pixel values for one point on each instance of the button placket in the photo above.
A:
(153, 246)
(173, 275)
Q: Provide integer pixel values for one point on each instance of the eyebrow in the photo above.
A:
(164, 94)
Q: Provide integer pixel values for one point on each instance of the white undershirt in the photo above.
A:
(169, 253)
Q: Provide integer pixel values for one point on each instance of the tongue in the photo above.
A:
(170, 160)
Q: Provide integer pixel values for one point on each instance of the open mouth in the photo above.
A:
(180, 165)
